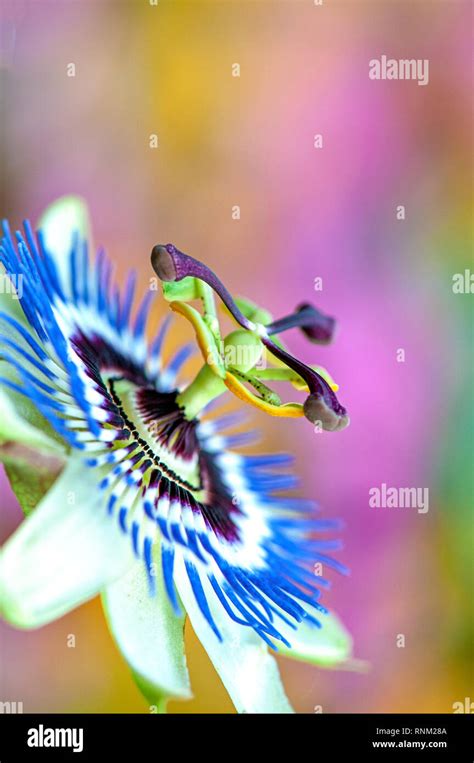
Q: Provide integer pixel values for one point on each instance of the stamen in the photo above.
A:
(317, 327)
(288, 410)
(322, 405)
(172, 265)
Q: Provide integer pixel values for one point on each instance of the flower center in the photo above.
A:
(157, 424)
(152, 442)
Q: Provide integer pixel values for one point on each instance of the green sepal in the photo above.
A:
(30, 473)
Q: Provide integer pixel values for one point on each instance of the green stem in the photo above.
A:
(204, 388)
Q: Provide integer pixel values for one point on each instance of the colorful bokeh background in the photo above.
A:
(305, 213)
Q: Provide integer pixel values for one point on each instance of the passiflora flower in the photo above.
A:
(131, 487)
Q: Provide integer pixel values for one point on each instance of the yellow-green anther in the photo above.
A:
(206, 341)
(242, 350)
(209, 309)
(267, 394)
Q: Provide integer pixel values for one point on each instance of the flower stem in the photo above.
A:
(202, 390)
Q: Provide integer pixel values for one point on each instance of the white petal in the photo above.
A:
(148, 633)
(247, 670)
(63, 553)
(60, 221)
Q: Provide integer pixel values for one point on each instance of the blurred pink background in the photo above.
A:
(304, 213)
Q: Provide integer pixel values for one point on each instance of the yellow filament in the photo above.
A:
(288, 410)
